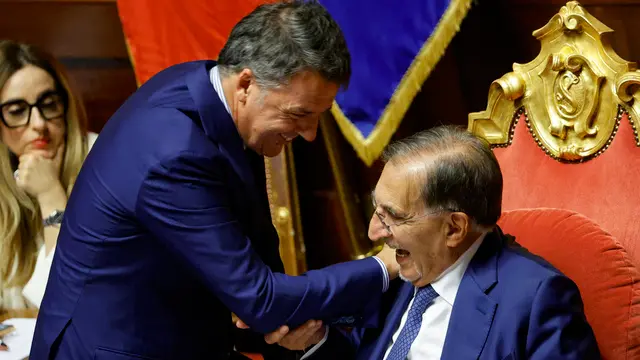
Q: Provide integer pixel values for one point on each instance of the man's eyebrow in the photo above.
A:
(297, 110)
(394, 212)
(388, 209)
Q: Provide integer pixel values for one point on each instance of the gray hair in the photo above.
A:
(277, 41)
(462, 175)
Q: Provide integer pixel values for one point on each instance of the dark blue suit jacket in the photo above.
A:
(165, 235)
(510, 305)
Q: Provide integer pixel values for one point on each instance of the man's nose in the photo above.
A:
(377, 230)
(309, 134)
(309, 130)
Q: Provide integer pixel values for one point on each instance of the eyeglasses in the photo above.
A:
(387, 226)
(17, 113)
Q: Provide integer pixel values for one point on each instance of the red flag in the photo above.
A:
(161, 33)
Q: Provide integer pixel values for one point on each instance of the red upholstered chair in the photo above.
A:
(608, 280)
(605, 189)
(564, 129)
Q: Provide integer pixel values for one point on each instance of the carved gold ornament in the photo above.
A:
(572, 94)
(282, 192)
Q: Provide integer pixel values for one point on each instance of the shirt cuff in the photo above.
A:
(385, 274)
(317, 346)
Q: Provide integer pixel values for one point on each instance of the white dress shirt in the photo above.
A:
(429, 343)
(435, 320)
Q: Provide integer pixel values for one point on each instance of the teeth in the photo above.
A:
(402, 253)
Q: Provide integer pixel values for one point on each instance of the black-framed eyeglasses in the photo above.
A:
(17, 113)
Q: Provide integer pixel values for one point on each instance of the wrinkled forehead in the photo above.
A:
(400, 185)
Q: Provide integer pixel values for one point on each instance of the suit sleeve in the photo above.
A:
(558, 328)
(184, 203)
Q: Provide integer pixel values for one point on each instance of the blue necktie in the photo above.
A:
(423, 299)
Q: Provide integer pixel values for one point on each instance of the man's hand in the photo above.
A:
(388, 257)
(308, 334)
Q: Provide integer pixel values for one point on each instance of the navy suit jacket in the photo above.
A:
(165, 234)
(510, 305)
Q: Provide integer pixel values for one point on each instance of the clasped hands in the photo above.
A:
(313, 331)
(301, 338)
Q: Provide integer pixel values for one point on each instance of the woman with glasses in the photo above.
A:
(43, 142)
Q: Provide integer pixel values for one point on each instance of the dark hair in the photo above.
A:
(464, 175)
(276, 41)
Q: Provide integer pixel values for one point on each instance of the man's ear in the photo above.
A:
(245, 80)
(456, 226)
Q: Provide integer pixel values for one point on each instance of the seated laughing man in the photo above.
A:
(469, 291)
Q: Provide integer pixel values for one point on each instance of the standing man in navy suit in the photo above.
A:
(469, 291)
(168, 231)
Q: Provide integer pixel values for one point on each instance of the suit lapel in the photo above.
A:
(474, 310)
(393, 320)
(217, 123)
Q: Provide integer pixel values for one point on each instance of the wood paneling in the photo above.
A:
(68, 29)
(103, 90)
(87, 38)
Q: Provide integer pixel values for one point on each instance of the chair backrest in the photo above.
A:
(608, 281)
(565, 127)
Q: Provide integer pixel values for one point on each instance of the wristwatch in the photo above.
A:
(55, 218)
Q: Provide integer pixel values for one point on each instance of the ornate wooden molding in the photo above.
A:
(282, 191)
(627, 89)
(571, 91)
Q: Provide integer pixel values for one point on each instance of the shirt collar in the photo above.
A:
(447, 284)
(214, 76)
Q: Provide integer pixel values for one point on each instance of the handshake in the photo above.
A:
(301, 338)
(313, 331)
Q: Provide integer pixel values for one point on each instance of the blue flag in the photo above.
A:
(394, 45)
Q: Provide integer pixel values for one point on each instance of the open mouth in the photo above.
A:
(288, 138)
(403, 256)
(401, 253)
